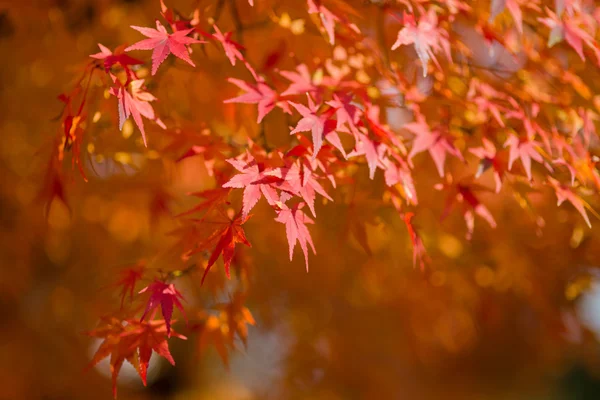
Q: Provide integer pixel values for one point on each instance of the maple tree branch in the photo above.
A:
(172, 275)
(239, 27)
(218, 11)
(263, 136)
(381, 35)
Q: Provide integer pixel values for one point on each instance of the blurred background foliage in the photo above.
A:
(510, 315)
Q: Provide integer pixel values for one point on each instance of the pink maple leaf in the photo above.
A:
(426, 36)
(328, 19)
(488, 158)
(232, 49)
(318, 124)
(166, 296)
(300, 180)
(525, 150)
(399, 172)
(301, 81)
(347, 113)
(437, 144)
(254, 182)
(260, 94)
(571, 29)
(483, 95)
(295, 227)
(564, 193)
(135, 103)
(366, 147)
(163, 43)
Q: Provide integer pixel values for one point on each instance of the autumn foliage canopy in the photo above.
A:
(478, 118)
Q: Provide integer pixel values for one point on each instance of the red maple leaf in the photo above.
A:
(163, 43)
(133, 342)
(417, 243)
(164, 295)
(232, 234)
(111, 59)
(381, 131)
(211, 199)
(463, 192)
(129, 278)
(295, 227)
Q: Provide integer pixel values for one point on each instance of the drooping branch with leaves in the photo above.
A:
(496, 99)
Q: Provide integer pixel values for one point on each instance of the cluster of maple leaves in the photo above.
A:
(340, 123)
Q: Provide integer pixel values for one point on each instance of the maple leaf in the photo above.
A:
(166, 296)
(295, 227)
(302, 81)
(212, 199)
(229, 237)
(419, 252)
(133, 342)
(482, 95)
(463, 192)
(129, 277)
(260, 94)
(238, 317)
(163, 43)
(571, 29)
(497, 6)
(488, 158)
(564, 193)
(251, 180)
(318, 125)
(437, 144)
(148, 337)
(380, 130)
(215, 332)
(400, 173)
(111, 59)
(328, 19)
(300, 179)
(426, 36)
(525, 150)
(365, 146)
(114, 346)
(347, 113)
(232, 49)
(136, 104)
